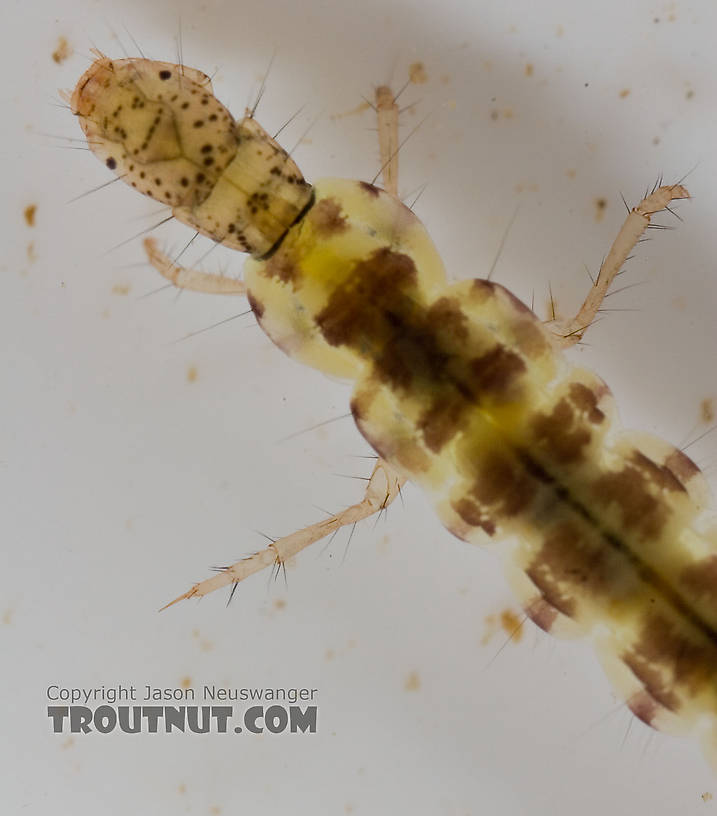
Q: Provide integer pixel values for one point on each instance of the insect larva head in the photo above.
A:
(155, 126)
(159, 127)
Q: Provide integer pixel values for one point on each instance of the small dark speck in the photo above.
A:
(111, 163)
(165, 74)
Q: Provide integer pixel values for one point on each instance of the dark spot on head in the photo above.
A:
(207, 148)
(199, 123)
(199, 178)
(111, 163)
(165, 74)
(184, 181)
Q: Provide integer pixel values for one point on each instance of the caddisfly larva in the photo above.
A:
(458, 387)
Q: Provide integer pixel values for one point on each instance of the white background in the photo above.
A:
(121, 482)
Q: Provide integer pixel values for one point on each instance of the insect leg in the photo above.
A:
(187, 278)
(569, 332)
(383, 487)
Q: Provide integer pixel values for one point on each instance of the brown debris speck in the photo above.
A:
(512, 625)
(417, 73)
(192, 374)
(412, 682)
(507, 621)
(707, 410)
(600, 207)
(204, 644)
(624, 93)
(63, 50)
(29, 213)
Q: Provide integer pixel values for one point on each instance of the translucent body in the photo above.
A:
(458, 387)
(461, 389)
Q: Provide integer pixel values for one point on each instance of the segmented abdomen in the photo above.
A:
(460, 387)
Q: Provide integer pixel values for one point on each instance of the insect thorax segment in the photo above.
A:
(330, 263)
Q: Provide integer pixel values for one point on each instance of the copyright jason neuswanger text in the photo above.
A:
(274, 710)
